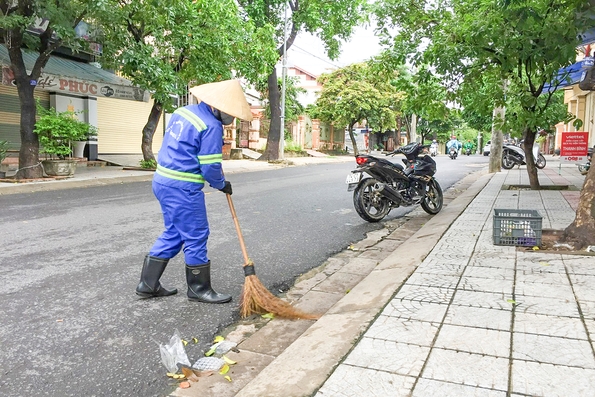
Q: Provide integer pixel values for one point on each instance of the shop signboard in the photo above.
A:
(574, 146)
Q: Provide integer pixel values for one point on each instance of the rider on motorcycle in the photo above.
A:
(434, 148)
(468, 146)
(453, 142)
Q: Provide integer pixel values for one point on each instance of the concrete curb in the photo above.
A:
(305, 365)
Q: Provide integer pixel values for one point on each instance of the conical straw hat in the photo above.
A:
(226, 96)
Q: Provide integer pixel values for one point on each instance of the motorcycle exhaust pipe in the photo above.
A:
(391, 194)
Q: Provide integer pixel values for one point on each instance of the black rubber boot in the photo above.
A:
(149, 286)
(199, 285)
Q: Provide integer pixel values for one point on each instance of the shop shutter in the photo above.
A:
(121, 124)
(10, 114)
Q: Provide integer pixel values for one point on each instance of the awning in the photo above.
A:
(566, 77)
(74, 78)
(574, 73)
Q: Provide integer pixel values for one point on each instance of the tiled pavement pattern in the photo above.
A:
(476, 319)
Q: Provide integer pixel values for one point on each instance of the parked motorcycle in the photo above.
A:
(453, 152)
(379, 185)
(515, 155)
(584, 168)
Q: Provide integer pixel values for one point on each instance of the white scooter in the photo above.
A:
(433, 151)
(514, 155)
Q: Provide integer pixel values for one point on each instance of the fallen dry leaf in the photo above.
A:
(187, 372)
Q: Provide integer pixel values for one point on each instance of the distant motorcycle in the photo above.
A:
(380, 185)
(514, 155)
(433, 151)
(468, 151)
(453, 152)
(584, 168)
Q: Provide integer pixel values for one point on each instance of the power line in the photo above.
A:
(315, 56)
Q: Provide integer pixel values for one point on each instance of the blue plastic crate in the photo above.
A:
(517, 227)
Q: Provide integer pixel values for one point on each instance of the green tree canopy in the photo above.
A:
(331, 21)
(55, 22)
(164, 46)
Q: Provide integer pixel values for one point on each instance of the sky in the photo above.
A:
(308, 52)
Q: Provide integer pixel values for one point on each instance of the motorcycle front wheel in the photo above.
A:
(507, 161)
(540, 161)
(432, 202)
(370, 205)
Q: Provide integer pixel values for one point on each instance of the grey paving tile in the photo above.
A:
(433, 280)
(474, 340)
(582, 279)
(405, 331)
(493, 273)
(543, 277)
(486, 285)
(349, 381)
(481, 260)
(584, 292)
(388, 356)
(549, 306)
(588, 309)
(553, 350)
(566, 327)
(544, 290)
(431, 388)
(487, 300)
(415, 310)
(479, 317)
(425, 294)
(534, 379)
(467, 369)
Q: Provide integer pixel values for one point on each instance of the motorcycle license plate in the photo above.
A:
(353, 179)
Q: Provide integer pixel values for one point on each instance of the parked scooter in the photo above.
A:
(584, 168)
(379, 185)
(453, 152)
(515, 155)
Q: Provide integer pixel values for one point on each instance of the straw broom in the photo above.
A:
(255, 298)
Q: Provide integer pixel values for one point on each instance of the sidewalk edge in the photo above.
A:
(306, 364)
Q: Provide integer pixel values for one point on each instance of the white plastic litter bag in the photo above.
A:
(173, 353)
(209, 364)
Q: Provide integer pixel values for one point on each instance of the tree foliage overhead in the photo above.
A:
(164, 46)
(55, 22)
(520, 45)
(331, 21)
(508, 50)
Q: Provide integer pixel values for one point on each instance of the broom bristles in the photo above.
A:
(256, 299)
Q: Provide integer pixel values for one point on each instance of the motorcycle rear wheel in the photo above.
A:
(370, 205)
(507, 161)
(540, 161)
(432, 202)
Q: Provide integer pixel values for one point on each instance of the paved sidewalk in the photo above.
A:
(457, 315)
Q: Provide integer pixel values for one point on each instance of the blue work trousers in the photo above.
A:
(186, 224)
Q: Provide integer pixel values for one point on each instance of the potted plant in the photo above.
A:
(57, 133)
(3, 149)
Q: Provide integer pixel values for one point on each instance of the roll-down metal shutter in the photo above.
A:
(121, 124)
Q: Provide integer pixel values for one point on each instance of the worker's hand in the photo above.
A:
(227, 188)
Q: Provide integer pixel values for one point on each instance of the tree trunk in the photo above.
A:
(398, 135)
(149, 131)
(496, 146)
(273, 149)
(581, 232)
(353, 142)
(528, 141)
(29, 165)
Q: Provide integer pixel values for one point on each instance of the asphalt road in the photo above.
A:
(71, 324)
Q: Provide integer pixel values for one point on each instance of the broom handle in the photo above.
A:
(237, 223)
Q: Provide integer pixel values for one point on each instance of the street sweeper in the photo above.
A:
(191, 156)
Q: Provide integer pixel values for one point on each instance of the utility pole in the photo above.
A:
(283, 78)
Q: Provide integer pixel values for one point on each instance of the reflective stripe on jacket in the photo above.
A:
(191, 152)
